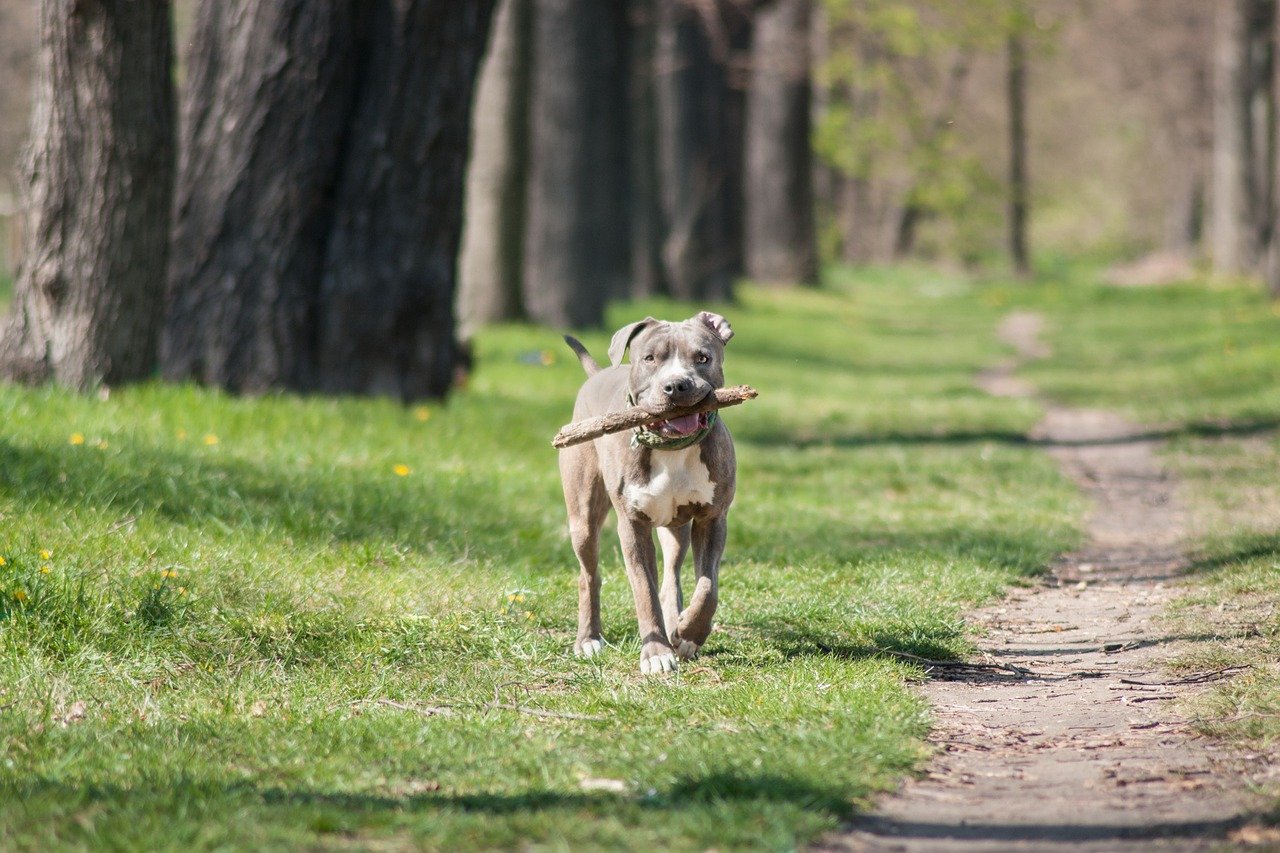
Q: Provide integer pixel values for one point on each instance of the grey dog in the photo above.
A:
(675, 476)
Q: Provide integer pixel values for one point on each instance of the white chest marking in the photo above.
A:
(676, 478)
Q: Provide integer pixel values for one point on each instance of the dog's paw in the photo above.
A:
(589, 647)
(687, 649)
(658, 663)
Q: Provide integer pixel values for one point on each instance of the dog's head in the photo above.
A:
(674, 364)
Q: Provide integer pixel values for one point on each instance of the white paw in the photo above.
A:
(590, 648)
(658, 663)
(687, 650)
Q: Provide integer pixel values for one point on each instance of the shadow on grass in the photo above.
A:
(453, 518)
(317, 811)
(1208, 429)
(1256, 546)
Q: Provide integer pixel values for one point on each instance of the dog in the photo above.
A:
(674, 476)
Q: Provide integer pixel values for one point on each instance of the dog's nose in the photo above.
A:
(681, 386)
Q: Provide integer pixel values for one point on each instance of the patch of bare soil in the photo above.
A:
(1065, 733)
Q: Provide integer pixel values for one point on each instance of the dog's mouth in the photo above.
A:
(680, 427)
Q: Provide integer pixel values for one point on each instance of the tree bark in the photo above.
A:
(647, 273)
(490, 266)
(1018, 190)
(780, 240)
(386, 296)
(88, 300)
(698, 166)
(576, 228)
(265, 118)
(1230, 226)
(319, 195)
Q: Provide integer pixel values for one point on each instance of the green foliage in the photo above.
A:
(304, 622)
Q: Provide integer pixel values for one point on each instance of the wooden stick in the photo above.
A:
(576, 433)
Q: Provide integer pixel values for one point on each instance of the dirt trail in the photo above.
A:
(1064, 737)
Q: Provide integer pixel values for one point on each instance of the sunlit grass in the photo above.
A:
(312, 622)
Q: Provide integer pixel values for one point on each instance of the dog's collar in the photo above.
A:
(642, 436)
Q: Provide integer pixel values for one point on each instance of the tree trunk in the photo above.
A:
(1018, 190)
(696, 169)
(576, 229)
(647, 277)
(386, 297)
(265, 118)
(781, 245)
(319, 194)
(489, 269)
(1230, 232)
(88, 301)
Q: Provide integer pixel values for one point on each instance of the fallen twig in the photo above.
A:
(539, 712)
(576, 433)
(1198, 678)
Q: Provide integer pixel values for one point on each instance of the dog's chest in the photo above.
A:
(677, 478)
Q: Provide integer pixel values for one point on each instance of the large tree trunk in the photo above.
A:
(698, 171)
(265, 118)
(98, 185)
(1018, 189)
(1231, 227)
(386, 297)
(319, 196)
(647, 273)
(576, 229)
(780, 242)
(490, 266)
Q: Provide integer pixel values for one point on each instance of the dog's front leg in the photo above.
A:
(656, 654)
(675, 544)
(708, 545)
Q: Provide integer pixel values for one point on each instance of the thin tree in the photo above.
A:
(780, 239)
(1230, 233)
(97, 190)
(492, 259)
(1016, 93)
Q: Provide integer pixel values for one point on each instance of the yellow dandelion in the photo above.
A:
(101, 444)
(210, 440)
(20, 595)
(169, 573)
(46, 554)
(519, 597)
(182, 590)
(401, 470)
(76, 438)
(528, 614)
(422, 413)
(45, 569)
(3, 561)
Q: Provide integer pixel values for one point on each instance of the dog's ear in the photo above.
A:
(717, 324)
(622, 339)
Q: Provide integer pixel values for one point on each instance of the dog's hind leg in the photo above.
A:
(708, 546)
(588, 505)
(675, 544)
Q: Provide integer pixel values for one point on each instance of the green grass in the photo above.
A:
(253, 631)
(1188, 356)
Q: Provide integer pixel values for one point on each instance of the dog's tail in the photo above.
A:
(588, 363)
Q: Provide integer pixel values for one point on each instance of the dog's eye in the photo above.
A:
(650, 357)
(702, 358)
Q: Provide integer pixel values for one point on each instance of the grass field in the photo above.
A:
(326, 623)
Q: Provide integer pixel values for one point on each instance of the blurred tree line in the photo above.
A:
(323, 188)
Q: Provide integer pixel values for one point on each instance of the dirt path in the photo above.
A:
(1065, 736)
